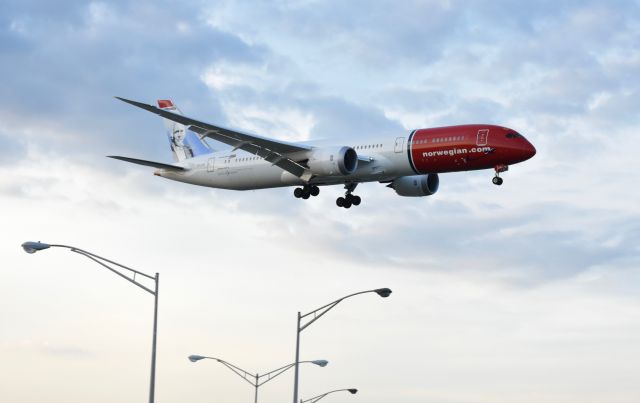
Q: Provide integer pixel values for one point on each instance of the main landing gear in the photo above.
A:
(349, 200)
(306, 191)
(497, 180)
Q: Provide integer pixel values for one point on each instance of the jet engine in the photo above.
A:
(333, 161)
(416, 185)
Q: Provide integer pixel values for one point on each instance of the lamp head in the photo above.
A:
(353, 391)
(383, 292)
(194, 358)
(33, 247)
(320, 363)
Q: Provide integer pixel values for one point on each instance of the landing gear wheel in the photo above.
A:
(306, 193)
(297, 193)
(349, 199)
(314, 190)
(497, 180)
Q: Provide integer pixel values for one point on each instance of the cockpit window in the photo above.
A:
(513, 135)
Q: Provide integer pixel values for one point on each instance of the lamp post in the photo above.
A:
(317, 314)
(315, 399)
(255, 380)
(33, 247)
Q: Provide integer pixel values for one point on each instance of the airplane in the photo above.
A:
(408, 163)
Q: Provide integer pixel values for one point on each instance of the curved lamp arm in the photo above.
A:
(272, 374)
(317, 313)
(353, 391)
(242, 373)
(33, 247)
(252, 379)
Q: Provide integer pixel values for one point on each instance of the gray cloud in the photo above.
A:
(338, 118)
(444, 236)
(13, 148)
(64, 70)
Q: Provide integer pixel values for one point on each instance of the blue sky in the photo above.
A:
(527, 292)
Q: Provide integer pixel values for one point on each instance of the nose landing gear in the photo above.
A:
(497, 180)
(349, 199)
(306, 191)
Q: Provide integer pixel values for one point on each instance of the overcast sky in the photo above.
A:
(528, 292)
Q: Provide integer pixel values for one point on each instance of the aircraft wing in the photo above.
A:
(279, 153)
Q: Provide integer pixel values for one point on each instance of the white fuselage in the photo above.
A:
(239, 170)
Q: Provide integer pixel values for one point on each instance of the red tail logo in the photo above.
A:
(165, 103)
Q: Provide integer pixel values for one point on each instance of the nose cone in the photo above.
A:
(529, 150)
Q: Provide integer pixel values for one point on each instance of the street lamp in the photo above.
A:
(255, 380)
(315, 399)
(33, 247)
(317, 313)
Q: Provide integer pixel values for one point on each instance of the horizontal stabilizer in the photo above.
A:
(160, 165)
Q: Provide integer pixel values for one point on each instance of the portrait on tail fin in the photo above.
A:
(184, 143)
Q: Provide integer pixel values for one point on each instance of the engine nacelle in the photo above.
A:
(416, 185)
(333, 161)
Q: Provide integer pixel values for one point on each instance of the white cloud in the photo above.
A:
(224, 76)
